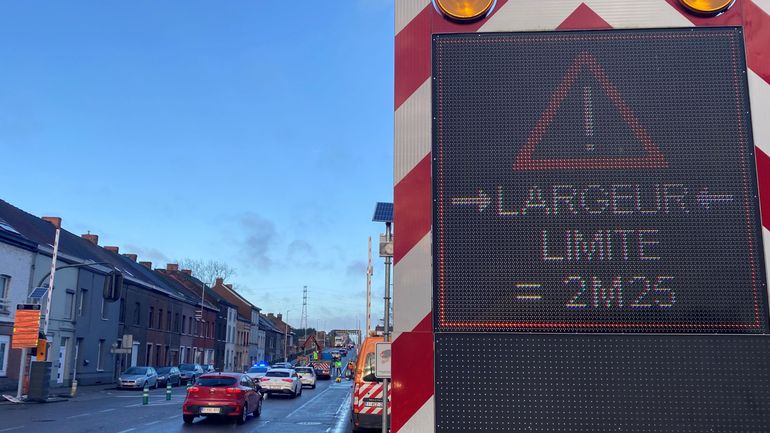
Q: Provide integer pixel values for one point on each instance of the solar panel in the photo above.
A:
(38, 292)
(383, 212)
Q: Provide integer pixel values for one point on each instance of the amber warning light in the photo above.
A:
(464, 9)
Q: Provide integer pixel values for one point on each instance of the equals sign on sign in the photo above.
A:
(529, 296)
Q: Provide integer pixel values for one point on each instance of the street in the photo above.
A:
(325, 409)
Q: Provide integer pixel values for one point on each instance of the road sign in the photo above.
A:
(127, 341)
(576, 190)
(382, 359)
(26, 326)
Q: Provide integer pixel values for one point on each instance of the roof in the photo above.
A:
(267, 325)
(194, 284)
(10, 236)
(186, 290)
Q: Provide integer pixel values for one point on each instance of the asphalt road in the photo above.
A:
(325, 409)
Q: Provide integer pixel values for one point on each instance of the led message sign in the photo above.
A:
(595, 182)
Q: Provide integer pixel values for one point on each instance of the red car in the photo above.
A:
(222, 394)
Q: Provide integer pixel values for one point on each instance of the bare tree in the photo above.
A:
(208, 270)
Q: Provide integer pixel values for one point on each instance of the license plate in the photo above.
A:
(373, 403)
(210, 410)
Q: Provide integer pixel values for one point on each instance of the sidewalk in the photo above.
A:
(84, 393)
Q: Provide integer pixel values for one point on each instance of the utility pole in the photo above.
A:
(286, 338)
(303, 318)
(369, 273)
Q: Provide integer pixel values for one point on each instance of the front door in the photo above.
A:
(4, 349)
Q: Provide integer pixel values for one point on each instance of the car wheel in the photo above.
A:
(258, 411)
(188, 419)
(300, 391)
(242, 418)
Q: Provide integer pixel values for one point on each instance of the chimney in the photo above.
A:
(94, 239)
(131, 257)
(220, 281)
(172, 267)
(280, 317)
(56, 221)
(147, 265)
(270, 315)
(187, 271)
(229, 286)
(115, 250)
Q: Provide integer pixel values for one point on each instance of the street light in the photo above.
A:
(286, 337)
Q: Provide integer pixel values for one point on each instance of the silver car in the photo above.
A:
(138, 377)
(257, 372)
(306, 376)
(281, 381)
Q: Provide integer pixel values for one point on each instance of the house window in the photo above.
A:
(168, 322)
(149, 353)
(104, 309)
(69, 304)
(157, 355)
(100, 356)
(5, 287)
(176, 322)
(160, 318)
(4, 349)
(83, 302)
(122, 311)
(184, 324)
(137, 313)
(149, 320)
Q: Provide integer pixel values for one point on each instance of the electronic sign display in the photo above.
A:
(595, 181)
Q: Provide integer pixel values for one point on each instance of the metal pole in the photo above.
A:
(51, 279)
(22, 364)
(369, 289)
(386, 331)
(286, 337)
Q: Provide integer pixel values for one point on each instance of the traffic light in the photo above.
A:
(113, 286)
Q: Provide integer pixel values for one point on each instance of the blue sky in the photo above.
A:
(254, 134)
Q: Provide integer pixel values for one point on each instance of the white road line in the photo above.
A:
(12, 428)
(308, 402)
(106, 410)
(529, 297)
(173, 417)
(127, 430)
(78, 416)
(341, 425)
(151, 423)
(133, 405)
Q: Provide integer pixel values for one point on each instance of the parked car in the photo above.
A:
(209, 368)
(137, 377)
(190, 372)
(306, 376)
(170, 375)
(257, 372)
(281, 381)
(222, 394)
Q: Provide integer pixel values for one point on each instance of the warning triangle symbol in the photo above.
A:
(588, 125)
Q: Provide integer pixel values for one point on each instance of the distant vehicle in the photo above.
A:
(257, 372)
(209, 368)
(281, 381)
(282, 365)
(344, 352)
(170, 375)
(138, 377)
(367, 389)
(222, 394)
(323, 369)
(306, 376)
(190, 372)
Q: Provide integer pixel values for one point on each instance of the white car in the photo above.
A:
(257, 372)
(306, 376)
(281, 381)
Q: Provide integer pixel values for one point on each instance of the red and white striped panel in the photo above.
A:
(369, 390)
(416, 20)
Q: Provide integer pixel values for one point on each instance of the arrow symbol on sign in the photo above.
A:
(482, 201)
(705, 199)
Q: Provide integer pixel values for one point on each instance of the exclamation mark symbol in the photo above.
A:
(588, 117)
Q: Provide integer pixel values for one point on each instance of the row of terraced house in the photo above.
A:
(165, 315)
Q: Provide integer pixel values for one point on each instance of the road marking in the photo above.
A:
(106, 410)
(128, 430)
(173, 417)
(308, 402)
(151, 423)
(78, 416)
(341, 425)
(529, 297)
(12, 428)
